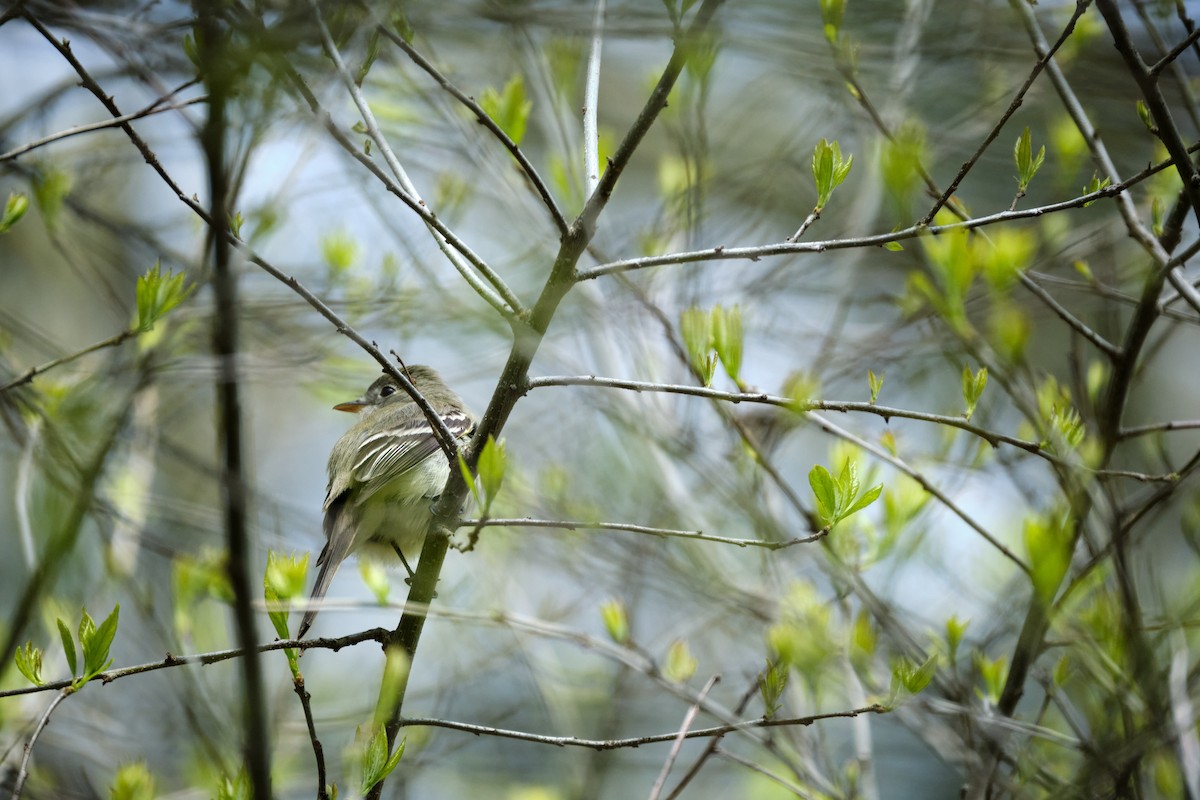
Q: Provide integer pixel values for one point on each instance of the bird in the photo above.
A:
(386, 471)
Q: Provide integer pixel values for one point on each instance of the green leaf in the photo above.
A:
(825, 491)
(87, 627)
(701, 56)
(681, 664)
(829, 170)
(616, 623)
(190, 50)
(14, 209)
(375, 578)
(369, 59)
(285, 576)
(97, 643)
(832, 12)
(493, 462)
(133, 782)
(68, 644)
(1144, 115)
(29, 663)
(863, 635)
(283, 579)
(376, 763)
(469, 479)
(868, 497)
(955, 630)
(874, 383)
(50, 190)
(973, 385)
(1049, 542)
(911, 679)
(236, 788)
(509, 108)
(838, 499)
(158, 293)
(801, 388)
(340, 251)
(1095, 185)
(895, 247)
(771, 687)
(727, 339)
(403, 26)
(1027, 165)
(994, 674)
(695, 325)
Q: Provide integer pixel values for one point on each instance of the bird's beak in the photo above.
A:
(353, 406)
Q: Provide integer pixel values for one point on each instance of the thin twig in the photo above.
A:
(1076, 324)
(1018, 99)
(213, 657)
(89, 83)
(527, 167)
(1159, 427)
(722, 253)
(157, 107)
(31, 373)
(573, 525)
(406, 185)
(711, 748)
(318, 749)
(23, 769)
(1175, 52)
(677, 744)
(636, 741)
(591, 103)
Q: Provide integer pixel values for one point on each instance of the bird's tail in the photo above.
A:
(339, 529)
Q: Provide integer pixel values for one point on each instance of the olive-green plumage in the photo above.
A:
(386, 471)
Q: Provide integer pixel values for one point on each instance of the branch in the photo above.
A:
(220, 80)
(528, 335)
(1079, 326)
(886, 412)
(31, 373)
(64, 49)
(406, 190)
(27, 753)
(636, 741)
(722, 253)
(526, 165)
(157, 107)
(318, 750)
(573, 525)
(591, 104)
(1174, 52)
(677, 744)
(1018, 99)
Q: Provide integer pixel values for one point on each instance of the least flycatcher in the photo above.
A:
(386, 471)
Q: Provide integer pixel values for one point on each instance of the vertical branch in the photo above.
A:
(591, 106)
(527, 337)
(215, 64)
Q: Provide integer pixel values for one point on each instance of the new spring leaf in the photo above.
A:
(829, 170)
(1027, 165)
(838, 498)
(158, 293)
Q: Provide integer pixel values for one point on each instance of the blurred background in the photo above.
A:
(108, 464)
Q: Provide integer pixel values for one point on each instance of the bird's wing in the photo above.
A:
(388, 454)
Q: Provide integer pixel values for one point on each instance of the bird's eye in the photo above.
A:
(387, 391)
